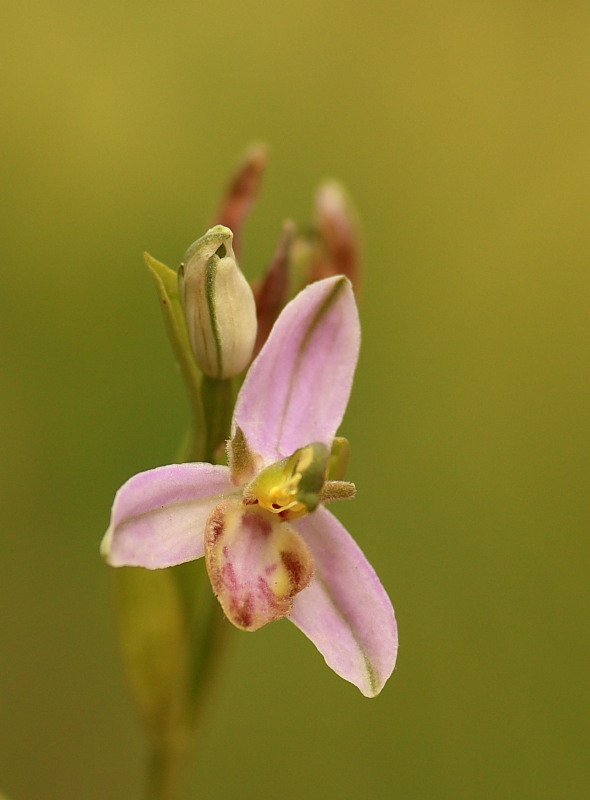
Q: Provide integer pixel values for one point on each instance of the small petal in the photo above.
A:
(243, 462)
(158, 517)
(345, 611)
(297, 390)
(256, 564)
(339, 458)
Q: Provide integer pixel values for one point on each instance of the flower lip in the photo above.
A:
(256, 563)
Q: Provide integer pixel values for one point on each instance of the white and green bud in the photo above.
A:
(218, 305)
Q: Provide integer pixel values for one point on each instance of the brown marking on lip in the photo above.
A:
(295, 570)
(242, 613)
(216, 526)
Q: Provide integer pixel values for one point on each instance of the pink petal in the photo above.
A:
(297, 390)
(345, 611)
(158, 517)
(256, 563)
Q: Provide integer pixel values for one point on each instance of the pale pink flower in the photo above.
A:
(272, 549)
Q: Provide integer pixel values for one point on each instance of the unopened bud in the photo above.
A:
(272, 292)
(218, 305)
(338, 228)
(242, 191)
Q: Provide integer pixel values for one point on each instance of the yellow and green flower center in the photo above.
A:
(291, 487)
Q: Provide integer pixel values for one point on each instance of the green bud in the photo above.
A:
(218, 305)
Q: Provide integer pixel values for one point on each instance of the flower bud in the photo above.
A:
(242, 191)
(338, 227)
(218, 305)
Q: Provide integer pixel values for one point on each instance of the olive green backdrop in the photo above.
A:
(462, 131)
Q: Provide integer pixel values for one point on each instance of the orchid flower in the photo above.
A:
(272, 549)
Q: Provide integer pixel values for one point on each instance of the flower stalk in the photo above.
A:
(249, 488)
(218, 402)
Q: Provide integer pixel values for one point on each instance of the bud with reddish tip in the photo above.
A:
(337, 225)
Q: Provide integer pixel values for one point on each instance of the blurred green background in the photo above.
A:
(462, 130)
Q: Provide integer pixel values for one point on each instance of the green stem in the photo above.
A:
(207, 628)
(167, 767)
(213, 634)
(209, 625)
(218, 400)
